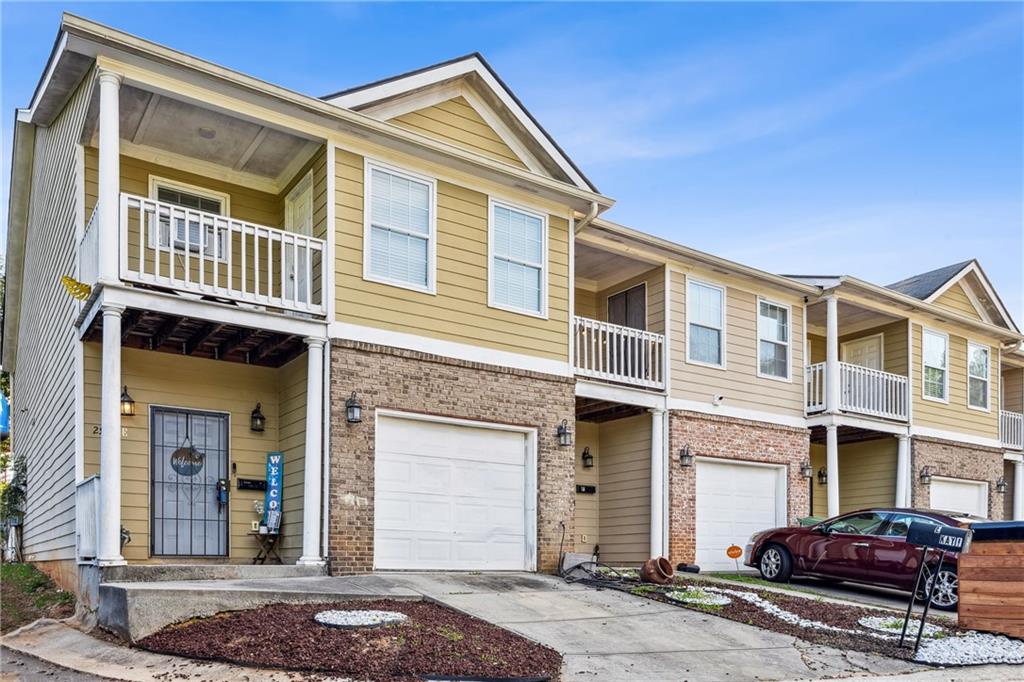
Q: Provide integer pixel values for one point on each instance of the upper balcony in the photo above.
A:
(186, 198)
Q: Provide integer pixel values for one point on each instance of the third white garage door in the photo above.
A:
(734, 501)
(451, 496)
(959, 495)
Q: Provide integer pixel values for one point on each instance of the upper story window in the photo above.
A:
(518, 259)
(400, 229)
(935, 356)
(190, 230)
(705, 323)
(773, 340)
(977, 376)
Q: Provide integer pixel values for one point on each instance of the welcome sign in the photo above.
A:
(275, 484)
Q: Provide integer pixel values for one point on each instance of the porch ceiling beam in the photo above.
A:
(235, 341)
(165, 331)
(200, 337)
(251, 149)
(271, 345)
(128, 322)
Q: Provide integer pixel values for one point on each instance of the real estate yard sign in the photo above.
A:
(275, 480)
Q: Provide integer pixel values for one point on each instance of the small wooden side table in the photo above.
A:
(268, 547)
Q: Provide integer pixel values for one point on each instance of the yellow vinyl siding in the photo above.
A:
(596, 303)
(1013, 389)
(955, 416)
(456, 122)
(587, 506)
(894, 345)
(459, 311)
(164, 379)
(739, 382)
(625, 485)
(867, 476)
(956, 300)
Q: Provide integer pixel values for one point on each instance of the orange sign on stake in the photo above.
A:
(734, 552)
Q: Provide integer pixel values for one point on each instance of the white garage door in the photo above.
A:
(449, 496)
(734, 501)
(957, 495)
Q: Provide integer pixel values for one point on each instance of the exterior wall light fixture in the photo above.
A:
(685, 457)
(822, 476)
(127, 404)
(926, 476)
(257, 422)
(564, 434)
(1001, 485)
(353, 409)
(588, 459)
(806, 470)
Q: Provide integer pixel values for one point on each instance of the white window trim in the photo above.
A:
(431, 288)
(789, 344)
(988, 379)
(493, 202)
(156, 181)
(607, 315)
(725, 322)
(924, 366)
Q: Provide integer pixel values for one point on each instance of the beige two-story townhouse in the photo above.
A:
(404, 293)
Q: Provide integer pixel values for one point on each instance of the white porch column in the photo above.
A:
(903, 470)
(1018, 491)
(657, 481)
(109, 176)
(832, 467)
(314, 452)
(109, 550)
(832, 355)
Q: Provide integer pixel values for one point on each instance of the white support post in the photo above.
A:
(109, 551)
(832, 468)
(314, 453)
(657, 481)
(832, 355)
(109, 181)
(903, 470)
(1018, 491)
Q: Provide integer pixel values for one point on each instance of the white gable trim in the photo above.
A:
(451, 71)
(989, 292)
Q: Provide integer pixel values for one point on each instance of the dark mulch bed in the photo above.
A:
(819, 610)
(435, 640)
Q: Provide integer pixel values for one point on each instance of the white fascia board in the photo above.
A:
(597, 390)
(51, 67)
(955, 436)
(448, 349)
(865, 423)
(736, 412)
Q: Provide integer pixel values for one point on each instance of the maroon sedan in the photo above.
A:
(866, 547)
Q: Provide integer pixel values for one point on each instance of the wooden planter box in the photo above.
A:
(992, 587)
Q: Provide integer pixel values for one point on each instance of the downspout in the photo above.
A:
(587, 219)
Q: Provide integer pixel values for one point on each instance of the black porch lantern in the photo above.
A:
(1001, 485)
(926, 476)
(806, 470)
(588, 459)
(353, 409)
(564, 434)
(257, 422)
(822, 476)
(685, 457)
(127, 404)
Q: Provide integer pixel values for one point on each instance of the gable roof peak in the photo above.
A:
(925, 284)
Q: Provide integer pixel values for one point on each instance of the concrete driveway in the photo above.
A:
(609, 635)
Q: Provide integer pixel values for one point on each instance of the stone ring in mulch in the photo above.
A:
(349, 620)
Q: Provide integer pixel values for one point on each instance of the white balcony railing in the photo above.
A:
(1011, 430)
(203, 253)
(620, 354)
(862, 390)
(87, 517)
(88, 251)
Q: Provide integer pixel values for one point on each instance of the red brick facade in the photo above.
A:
(728, 438)
(949, 459)
(418, 382)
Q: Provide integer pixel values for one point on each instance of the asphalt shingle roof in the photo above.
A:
(927, 283)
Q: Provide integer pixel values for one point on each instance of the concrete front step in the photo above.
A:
(133, 610)
(146, 573)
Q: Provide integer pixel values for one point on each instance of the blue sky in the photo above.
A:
(877, 140)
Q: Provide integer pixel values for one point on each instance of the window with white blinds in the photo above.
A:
(705, 316)
(773, 340)
(518, 259)
(400, 229)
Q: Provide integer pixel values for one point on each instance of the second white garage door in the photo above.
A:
(451, 497)
(959, 495)
(734, 501)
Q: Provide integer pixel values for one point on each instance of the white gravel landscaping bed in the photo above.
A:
(973, 648)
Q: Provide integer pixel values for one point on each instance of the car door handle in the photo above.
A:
(860, 544)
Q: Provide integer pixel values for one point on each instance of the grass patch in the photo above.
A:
(450, 633)
(27, 594)
(754, 580)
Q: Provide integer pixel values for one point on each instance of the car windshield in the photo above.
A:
(864, 523)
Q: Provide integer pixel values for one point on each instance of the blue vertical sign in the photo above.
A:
(5, 417)
(272, 503)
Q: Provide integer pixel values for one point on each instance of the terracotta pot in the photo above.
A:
(657, 570)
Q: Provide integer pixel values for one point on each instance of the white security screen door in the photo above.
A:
(449, 496)
(298, 218)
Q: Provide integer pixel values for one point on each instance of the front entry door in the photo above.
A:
(864, 352)
(298, 218)
(189, 456)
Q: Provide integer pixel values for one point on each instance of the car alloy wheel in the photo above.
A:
(771, 563)
(946, 590)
